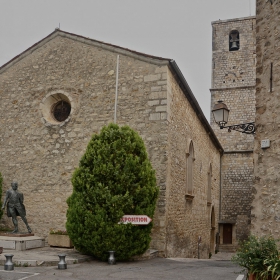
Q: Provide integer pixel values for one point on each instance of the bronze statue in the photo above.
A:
(15, 207)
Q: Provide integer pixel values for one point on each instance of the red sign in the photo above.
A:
(135, 219)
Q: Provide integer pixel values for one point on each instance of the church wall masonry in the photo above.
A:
(266, 207)
(189, 219)
(42, 153)
(236, 195)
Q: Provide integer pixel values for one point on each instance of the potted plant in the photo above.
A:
(255, 255)
(59, 238)
(272, 271)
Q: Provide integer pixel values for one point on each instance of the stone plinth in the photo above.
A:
(20, 243)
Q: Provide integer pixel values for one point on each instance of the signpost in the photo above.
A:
(135, 219)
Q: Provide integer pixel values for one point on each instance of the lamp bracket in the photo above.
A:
(248, 128)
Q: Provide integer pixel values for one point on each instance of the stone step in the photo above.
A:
(227, 248)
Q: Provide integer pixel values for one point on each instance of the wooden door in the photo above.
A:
(227, 234)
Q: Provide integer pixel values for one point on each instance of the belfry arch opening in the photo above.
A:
(234, 41)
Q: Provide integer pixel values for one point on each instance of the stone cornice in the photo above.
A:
(231, 88)
(232, 20)
(239, 152)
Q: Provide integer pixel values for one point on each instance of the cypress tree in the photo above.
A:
(114, 178)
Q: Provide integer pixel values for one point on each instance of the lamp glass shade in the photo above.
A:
(226, 113)
(220, 113)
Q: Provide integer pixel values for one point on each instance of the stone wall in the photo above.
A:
(241, 103)
(236, 197)
(233, 82)
(266, 208)
(189, 219)
(41, 154)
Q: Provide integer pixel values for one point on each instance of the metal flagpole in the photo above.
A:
(250, 6)
(116, 96)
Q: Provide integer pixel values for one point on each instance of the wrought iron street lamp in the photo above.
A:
(221, 113)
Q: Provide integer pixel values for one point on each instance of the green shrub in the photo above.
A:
(1, 182)
(253, 254)
(114, 178)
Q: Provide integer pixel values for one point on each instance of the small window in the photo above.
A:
(209, 185)
(234, 41)
(190, 160)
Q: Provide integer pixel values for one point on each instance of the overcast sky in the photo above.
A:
(177, 29)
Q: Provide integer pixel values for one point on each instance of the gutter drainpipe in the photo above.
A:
(220, 201)
(116, 96)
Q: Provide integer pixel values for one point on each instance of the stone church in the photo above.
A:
(55, 95)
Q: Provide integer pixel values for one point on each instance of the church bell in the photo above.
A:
(234, 41)
(234, 46)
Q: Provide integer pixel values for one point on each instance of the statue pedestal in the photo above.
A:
(21, 241)
(16, 234)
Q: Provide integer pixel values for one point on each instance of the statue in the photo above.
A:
(15, 207)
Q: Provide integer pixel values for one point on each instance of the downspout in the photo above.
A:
(116, 94)
(220, 200)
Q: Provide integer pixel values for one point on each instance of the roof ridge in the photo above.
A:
(58, 31)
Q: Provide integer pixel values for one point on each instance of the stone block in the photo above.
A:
(60, 240)
(161, 69)
(153, 102)
(161, 83)
(161, 109)
(151, 78)
(154, 117)
(158, 95)
(156, 88)
(163, 116)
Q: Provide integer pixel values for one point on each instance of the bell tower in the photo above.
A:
(233, 82)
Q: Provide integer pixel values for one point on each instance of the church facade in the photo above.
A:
(55, 95)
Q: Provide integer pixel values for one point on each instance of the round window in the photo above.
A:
(61, 110)
(57, 108)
